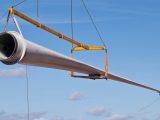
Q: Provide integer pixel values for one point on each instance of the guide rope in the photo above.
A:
(99, 34)
(7, 21)
(19, 3)
(37, 8)
(156, 100)
(72, 34)
(27, 93)
(149, 105)
(72, 19)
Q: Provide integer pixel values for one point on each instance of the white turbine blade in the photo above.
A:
(26, 52)
(124, 80)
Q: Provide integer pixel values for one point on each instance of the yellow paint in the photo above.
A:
(89, 48)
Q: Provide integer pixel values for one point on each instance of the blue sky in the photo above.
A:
(131, 31)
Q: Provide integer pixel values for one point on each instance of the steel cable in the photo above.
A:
(145, 107)
(96, 28)
(19, 3)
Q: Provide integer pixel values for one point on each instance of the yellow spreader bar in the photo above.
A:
(80, 46)
(89, 48)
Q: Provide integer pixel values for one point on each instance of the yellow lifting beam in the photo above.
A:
(90, 48)
(79, 46)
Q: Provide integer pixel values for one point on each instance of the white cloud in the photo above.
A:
(97, 111)
(14, 116)
(58, 118)
(77, 118)
(75, 96)
(117, 117)
(40, 119)
(17, 72)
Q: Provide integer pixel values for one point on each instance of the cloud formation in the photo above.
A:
(40, 119)
(14, 116)
(76, 118)
(97, 111)
(17, 72)
(118, 117)
(58, 118)
(76, 96)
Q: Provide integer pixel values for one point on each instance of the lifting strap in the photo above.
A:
(71, 56)
(17, 25)
(7, 21)
(78, 48)
(106, 65)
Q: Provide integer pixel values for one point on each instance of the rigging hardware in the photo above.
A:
(79, 46)
(60, 35)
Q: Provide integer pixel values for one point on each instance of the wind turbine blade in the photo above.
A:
(124, 80)
(15, 49)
